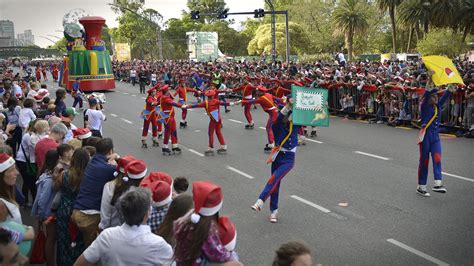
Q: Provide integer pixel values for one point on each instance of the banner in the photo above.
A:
(310, 106)
(444, 70)
(122, 52)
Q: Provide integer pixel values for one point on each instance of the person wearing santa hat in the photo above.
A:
(227, 233)
(282, 159)
(82, 133)
(182, 93)
(211, 105)
(133, 173)
(162, 197)
(167, 107)
(149, 116)
(247, 91)
(201, 222)
(8, 176)
(267, 101)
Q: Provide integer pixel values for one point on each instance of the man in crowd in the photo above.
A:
(93, 118)
(57, 134)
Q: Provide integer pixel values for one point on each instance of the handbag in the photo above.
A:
(38, 255)
(31, 168)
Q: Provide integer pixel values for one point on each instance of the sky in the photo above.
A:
(44, 17)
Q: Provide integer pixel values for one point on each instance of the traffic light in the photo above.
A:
(195, 15)
(259, 13)
(223, 14)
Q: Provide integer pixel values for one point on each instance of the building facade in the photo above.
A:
(7, 33)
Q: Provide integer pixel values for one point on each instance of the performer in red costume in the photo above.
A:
(167, 109)
(267, 101)
(247, 90)
(38, 73)
(43, 70)
(55, 73)
(182, 92)
(149, 116)
(211, 105)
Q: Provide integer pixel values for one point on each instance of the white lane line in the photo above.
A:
(314, 205)
(134, 95)
(196, 152)
(239, 172)
(315, 141)
(458, 176)
(143, 98)
(236, 121)
(114, 115)
(416, 252)
(190, 110)
(373, 155)
(126, 121)
(197, 130)
(126, 93)
(262, 128)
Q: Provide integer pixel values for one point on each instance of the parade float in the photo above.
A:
(87, 57)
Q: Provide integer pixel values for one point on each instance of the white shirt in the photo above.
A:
(32, 94)
(25, 141)
(341, 57)
(153, 77)
(129, 245)
(17, 92)
(14, 211)
(26, 115)
(133, 73)
(95, 119)
(109, 215)
(69, 134)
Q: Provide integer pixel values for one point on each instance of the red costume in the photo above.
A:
(55, 73)
(43, 69)
(182, 91)
(150, 117)
(38, 74)
(247, 95)
(167, 106)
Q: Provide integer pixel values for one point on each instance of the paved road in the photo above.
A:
(372, 168)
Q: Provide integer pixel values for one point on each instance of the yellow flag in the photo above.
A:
(444, 70)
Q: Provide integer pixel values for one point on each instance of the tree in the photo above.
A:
(350, 18)
(440, 42)
(107, 39)
(262, 41)
(207, 7)
(174, 37)
(390, 5)
(415, 13)
(60, 45)
(466, 19)
(230, 41)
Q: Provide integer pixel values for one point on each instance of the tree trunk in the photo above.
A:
(394, 29)
(426, 27)
(410, 33)
(464, 35)
(418, 32)
(349, 45)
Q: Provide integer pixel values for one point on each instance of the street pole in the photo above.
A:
(160, 43)
(272, 8)
(287, 38)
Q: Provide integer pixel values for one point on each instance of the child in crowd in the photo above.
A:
(180, 205)
(22, 234)
(160, 185)
(180, 185)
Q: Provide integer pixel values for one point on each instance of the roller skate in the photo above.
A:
(313, 134)
(166, 151)
(268, 148)
(222, 149)
(144, 145)
(160, 135)
(176, 149)
(209, 152)
(156, 143)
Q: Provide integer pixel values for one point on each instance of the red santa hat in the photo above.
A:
(136, 169)
(208, 199)
(227, 233)
(262, 88)
(6, 161)
(122, 162)
(152, 89)
(156, 176)
(82, 133)
(161, 192)
(165, 88)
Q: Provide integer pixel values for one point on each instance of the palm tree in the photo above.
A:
(390, 5)
(466, 19)
(350, 18)
(444, 13)
(416, 13)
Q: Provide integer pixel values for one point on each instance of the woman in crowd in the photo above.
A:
(8, 176)
(13, 117)
(69, 249)
(59, 102)
(26, 114)
(292, 253)
(25, 161)
(180, 205)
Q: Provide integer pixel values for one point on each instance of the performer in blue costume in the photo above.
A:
(286, 140)
(430, 141)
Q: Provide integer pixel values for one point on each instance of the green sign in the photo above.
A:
(310, 106)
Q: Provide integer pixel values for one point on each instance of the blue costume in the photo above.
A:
(76, 90)
(431, 142)
(284, 161)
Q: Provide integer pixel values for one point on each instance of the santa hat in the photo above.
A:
(165, 88)
(208, 199)
(82, 133)
(6, 161)
(136, 169)
(156, 176)
(262, 88)
(122, 162)
(227, 233)
(152, 89)
(161, 192)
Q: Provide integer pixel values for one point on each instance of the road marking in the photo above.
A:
(134, 95)
(406, 128)
(127, 121)
(372, 155)
(114, 115)
(458, 176)
(262, 128)
(197, 130)
(196, 152)
(315, 141)
(416, 252)
(126, 93)
(314, 205)
(239, 172)
(236, 121)
(447, 135)
(143, 98)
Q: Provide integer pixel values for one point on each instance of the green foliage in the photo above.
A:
(207, 7)
(316, 57)
(107, 39)
(60, 45)
(230, 41)
(262, 41)
(440, 42)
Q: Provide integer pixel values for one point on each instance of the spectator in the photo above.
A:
(98, 172)
(13, 117)
(162, 197)
(26, 114)
(134, 171)
(59, 102)
(9, 252)
(180, 185)
(66, 253)
(65, 152)
(112, 247)
(67, 119)
(25, 161)
(133, 76)
(180, 205)
(292, 253)
(21, 234)
(8, 176)
(94, 117)
(56, 136)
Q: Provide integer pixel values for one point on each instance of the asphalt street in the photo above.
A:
(351, 196)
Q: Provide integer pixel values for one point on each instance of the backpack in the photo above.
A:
(13, 116)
